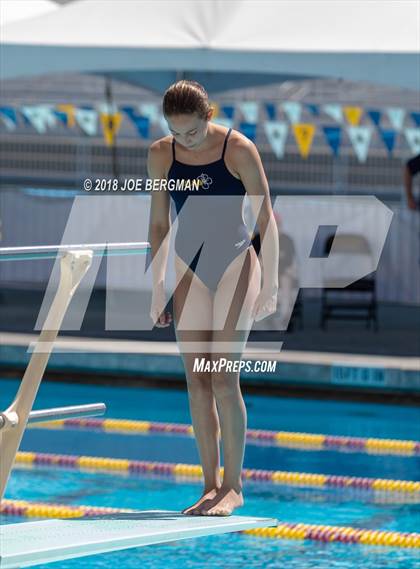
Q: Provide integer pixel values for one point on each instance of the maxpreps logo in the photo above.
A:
(205, 181)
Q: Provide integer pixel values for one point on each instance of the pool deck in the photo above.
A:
(345, 355)
(163, 360)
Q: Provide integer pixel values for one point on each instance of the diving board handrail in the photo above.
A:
(51, 251)
(67, 412)
(73, 266)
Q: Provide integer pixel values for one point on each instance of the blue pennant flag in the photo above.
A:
(333, 136)
(62, 117)
(314, 109)
(10, 113)
(416, 118)
(229, 110)
(248, 129)
(142, 123)
(375, 116)
(25, 119)
(388, 137)
(271, 111)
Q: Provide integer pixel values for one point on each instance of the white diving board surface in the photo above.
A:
(31, 543)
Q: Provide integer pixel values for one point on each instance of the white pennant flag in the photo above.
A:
(10, 125)
(334, 111)
(107, 108)
(249, 109)
(149, 110)
(40, 116)
(396, 117)
(224, 121)
(360, 137)
(293, 110)
(87, 119)
(276, 132)
(412, 136)
(164, 125)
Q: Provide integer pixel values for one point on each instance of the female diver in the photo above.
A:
(218, 292)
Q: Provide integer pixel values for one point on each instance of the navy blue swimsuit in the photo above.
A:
(211, 230)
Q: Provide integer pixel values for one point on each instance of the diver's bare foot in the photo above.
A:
(223, 504)
(207, 495)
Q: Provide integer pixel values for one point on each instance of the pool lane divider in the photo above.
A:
(195, 471)
(284, 530)
(302, 441)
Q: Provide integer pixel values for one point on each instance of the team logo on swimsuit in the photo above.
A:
(205, 181)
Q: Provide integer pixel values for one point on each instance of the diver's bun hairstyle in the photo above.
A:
(186, 97)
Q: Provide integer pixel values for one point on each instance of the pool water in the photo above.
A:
(363, 509)
(287, 504)
(264, 412)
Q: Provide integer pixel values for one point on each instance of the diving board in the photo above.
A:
(31, 543)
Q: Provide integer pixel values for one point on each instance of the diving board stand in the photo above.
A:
(73, 266)
(33, 543)
(75, 262)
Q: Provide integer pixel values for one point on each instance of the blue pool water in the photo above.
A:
(264, 412)
(320, 506)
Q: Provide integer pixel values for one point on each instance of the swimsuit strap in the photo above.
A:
(224, 146)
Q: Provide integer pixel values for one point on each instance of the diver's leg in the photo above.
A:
(193, 305)
(233, 302)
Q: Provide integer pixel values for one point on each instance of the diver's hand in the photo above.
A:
(266, 303)
(161, 319)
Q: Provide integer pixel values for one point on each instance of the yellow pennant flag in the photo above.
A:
(353, 114)
(304, 134)
(69, 111)
(110, 126)
(216, 109)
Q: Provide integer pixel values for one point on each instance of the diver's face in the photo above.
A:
(188, 130)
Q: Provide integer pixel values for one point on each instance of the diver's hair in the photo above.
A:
(186, 97)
